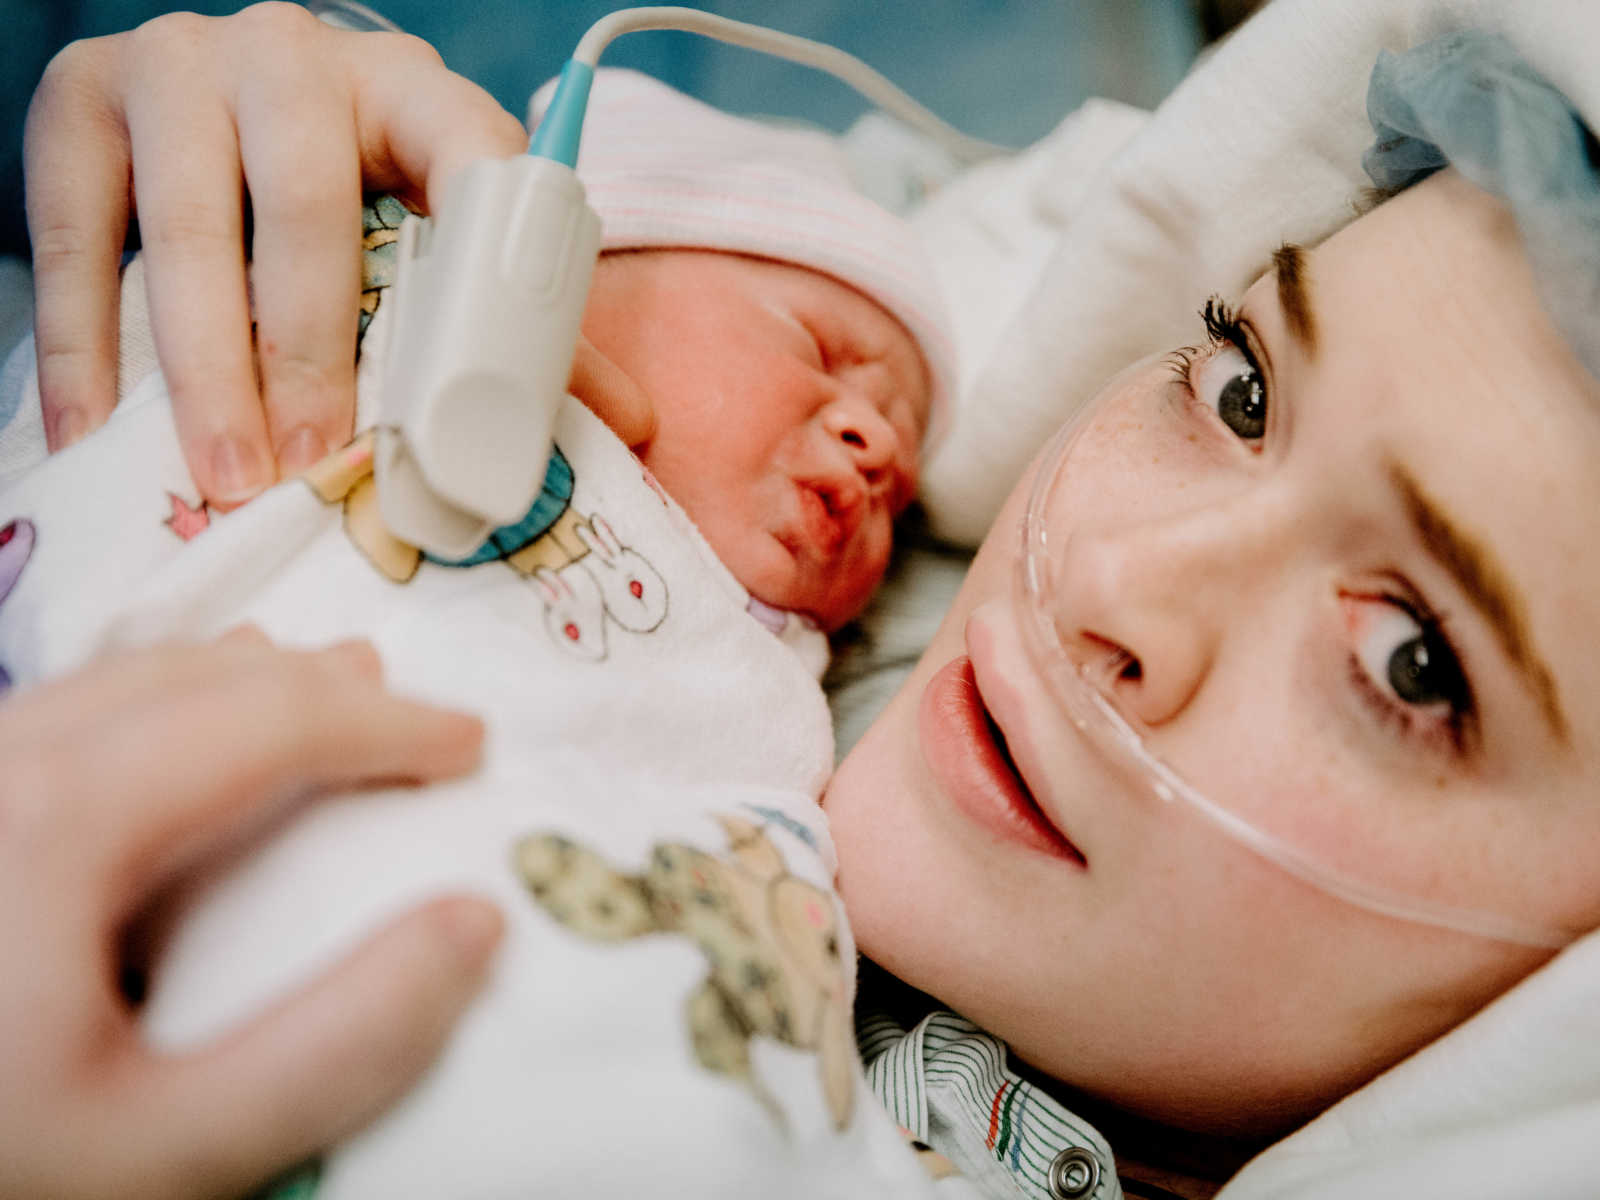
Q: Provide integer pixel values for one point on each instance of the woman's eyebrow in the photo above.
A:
(1294, 296)
(1487, 585)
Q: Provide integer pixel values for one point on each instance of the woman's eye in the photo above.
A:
(1411, 662)
(1231, 384)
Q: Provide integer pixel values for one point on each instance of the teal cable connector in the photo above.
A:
(559, 133)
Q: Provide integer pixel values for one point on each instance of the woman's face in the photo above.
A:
(1357, 606)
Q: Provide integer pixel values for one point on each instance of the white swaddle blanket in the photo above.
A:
(1137, 219)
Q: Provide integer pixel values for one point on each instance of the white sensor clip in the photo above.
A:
(488, 298)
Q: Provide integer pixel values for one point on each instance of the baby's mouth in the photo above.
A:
(969, 756)
(830, 514)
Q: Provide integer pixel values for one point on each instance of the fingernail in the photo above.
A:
(70, 425)
(303, 448)
(473, 926)
(239, 470)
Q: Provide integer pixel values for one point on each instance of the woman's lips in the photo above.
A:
(963, 748)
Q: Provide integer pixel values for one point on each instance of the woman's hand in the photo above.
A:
(114, 782)
(176, 122)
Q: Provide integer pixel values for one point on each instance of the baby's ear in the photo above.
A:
(612, 395)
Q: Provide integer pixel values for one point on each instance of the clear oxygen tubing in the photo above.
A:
(558, 134)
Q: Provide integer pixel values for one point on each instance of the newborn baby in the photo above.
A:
(792, 409)
(646, 811)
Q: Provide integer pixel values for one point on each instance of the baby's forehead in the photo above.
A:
(850, 327)
(865, 326)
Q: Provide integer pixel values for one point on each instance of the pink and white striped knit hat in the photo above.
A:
(662, 169)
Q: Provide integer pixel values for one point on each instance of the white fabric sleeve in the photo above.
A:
(22, 436)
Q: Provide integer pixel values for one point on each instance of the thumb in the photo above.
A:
(324, 1061)
(612, 395)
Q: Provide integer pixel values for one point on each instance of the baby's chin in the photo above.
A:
(828, 602)
(800, 603)
(779, 570)
(829, 597)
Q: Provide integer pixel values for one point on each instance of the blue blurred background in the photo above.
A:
(1001, 69)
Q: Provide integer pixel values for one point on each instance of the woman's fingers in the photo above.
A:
(242, 729)
(419, 122)
(194, 109)
(191, 224)
(304, 177)
(173, 750)
(76, 163)
(279, 728)
(61, 712)
(322, 1063)
(345, 108)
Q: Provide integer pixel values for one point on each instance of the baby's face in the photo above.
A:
(789, 411)
(1367, 624)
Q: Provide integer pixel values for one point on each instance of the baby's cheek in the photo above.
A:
(850, 584)
(763, 568)
(830, 594)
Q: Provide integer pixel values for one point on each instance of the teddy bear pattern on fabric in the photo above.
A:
(770, 940)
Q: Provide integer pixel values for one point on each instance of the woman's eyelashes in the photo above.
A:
(1403, 666)
(1224, 375)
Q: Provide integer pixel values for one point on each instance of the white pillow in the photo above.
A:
(1099, 245)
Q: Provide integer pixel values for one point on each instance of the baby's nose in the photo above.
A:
(867, 436)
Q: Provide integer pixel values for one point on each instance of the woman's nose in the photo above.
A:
(1149, 605)
(868, 437)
